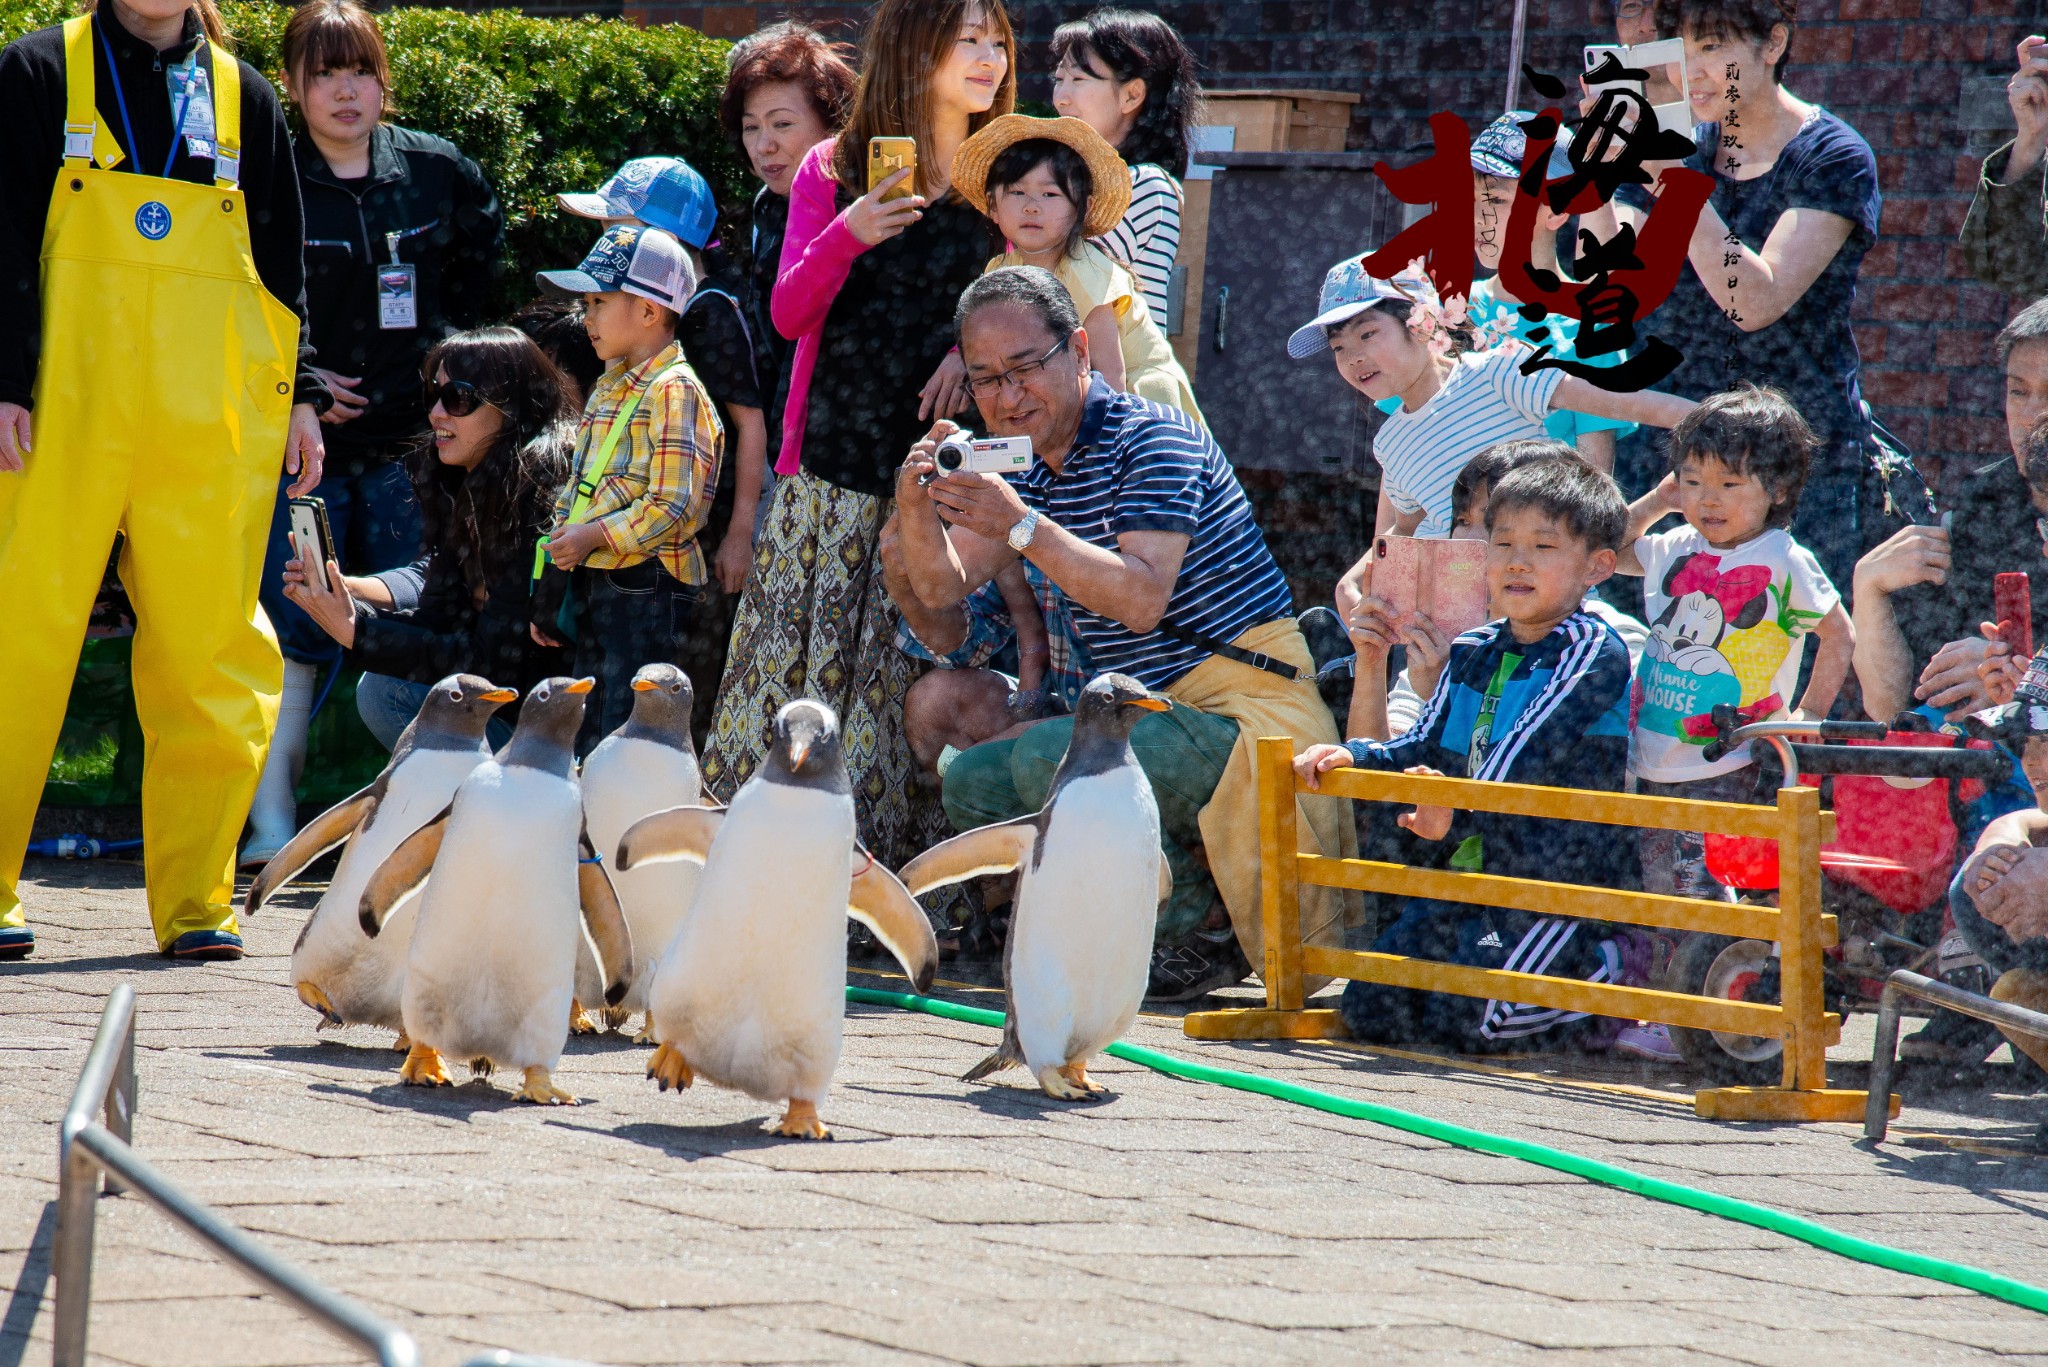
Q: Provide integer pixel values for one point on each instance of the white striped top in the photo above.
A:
(1147, 238)
(1485, 399)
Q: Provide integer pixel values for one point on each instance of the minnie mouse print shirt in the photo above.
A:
(1726, 626)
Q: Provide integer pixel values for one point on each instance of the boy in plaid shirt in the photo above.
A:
(647, 457)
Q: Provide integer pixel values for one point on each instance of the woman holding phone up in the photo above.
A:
(867, 291)
(153, 376)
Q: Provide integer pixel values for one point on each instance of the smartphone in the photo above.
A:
(1663, 59)
(2012, 607)
(887, 156)
(1443, 580)
(309, 528)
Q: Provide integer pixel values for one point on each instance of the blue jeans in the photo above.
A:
(387, 706)
(376, 524)
(1989, 939)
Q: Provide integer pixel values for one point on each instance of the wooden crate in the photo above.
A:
(1283, 120)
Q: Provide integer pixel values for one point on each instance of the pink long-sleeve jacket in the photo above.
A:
(817, 252)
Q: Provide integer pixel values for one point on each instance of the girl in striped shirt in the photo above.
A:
(1129, 77)
(1394, 338)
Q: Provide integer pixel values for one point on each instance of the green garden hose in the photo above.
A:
(1592, 1170)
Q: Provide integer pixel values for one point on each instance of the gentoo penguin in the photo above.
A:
(648, 765)
(493, 955)
(345, 976)
(752, 992)
(1074, 967)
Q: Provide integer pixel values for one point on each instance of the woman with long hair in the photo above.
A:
(403, 235)
(503, 429)
(1128, 75)
(867, 292)
(154, 375)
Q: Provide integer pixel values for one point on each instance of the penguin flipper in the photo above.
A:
(880, 902)
(972, 854)
(1165, 878)
(314, 839)
(678, 833)
(606, 920)
(401, 873)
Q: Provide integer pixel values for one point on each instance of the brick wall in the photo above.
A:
(1921, 79)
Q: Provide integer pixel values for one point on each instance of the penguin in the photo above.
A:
(347, 978)
(493, 958)
(751, 995)
(1093, 876)
(647, 765)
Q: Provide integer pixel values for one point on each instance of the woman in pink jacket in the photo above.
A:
(867, 290)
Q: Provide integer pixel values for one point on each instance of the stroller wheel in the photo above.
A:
(1738, 970)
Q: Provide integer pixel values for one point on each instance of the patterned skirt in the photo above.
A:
(816, 622)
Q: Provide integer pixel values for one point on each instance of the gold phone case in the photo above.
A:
(887, 156)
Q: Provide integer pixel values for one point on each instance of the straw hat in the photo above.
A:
(1112, 177)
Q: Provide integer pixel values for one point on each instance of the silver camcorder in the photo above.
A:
(983, 455)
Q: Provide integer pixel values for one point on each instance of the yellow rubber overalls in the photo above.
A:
(162, 401)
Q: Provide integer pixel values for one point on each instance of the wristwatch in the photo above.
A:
(1021, 534)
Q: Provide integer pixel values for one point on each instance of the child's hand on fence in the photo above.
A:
(1311, 764)
(1425, 821)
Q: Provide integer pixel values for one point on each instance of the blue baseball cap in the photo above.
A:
(661, 192)
(1349, 291)
(1501, 145)
(633, 258)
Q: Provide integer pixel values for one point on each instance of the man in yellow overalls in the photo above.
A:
(163, 399)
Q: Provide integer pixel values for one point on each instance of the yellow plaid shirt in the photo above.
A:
(654, 494)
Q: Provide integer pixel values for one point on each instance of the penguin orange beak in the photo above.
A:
(644, 685)
(798, 751)
(1152, 704)
(581, 686)
(499, 695)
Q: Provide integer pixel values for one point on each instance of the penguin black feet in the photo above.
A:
(481, 1067)
(670, 1069)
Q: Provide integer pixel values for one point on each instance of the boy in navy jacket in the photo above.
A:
(1539, 696)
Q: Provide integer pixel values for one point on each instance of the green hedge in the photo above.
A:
(543, 105)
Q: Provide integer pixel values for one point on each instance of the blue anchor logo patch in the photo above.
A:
(153, 221)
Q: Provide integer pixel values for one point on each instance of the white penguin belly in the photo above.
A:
(1082, 939)
(623, 780)
(752, 991)
(363, 978)
(494, 951)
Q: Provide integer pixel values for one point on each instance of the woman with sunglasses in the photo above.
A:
(503, 431)
(403, 236)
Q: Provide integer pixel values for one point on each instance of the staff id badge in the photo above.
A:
(398, 301)
(191, 93)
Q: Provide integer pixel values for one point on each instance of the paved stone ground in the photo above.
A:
(973, 1224)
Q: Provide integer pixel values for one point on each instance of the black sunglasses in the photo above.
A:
(458, 398)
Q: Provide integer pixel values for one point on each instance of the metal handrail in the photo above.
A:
(1885, 1051)
(88, 1148)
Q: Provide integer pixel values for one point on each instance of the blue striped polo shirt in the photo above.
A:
(1137, 466)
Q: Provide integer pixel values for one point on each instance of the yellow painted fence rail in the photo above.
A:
(1796, 925)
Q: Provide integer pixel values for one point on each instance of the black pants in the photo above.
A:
(626, 618)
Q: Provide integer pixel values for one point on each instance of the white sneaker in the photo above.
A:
(1646, 1039)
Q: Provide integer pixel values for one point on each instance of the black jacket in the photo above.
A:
(451, 231)
(32, 152)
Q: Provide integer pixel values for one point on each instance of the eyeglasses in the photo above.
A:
(988, 386)
(458, 398)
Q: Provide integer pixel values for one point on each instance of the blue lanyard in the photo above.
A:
(121, 100)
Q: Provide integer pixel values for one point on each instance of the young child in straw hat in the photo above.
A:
(1051, 185)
